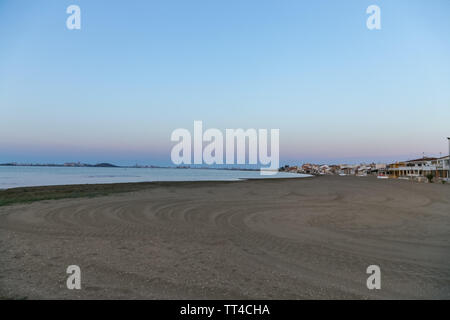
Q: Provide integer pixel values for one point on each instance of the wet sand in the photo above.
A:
(309, 238)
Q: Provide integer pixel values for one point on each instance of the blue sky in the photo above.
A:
(116, 89)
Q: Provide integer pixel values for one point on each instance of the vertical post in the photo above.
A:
(448, 173)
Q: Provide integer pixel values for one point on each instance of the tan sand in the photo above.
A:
(271, 239)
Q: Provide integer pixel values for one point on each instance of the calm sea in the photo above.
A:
(13, 177)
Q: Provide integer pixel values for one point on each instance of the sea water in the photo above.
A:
(23, 176)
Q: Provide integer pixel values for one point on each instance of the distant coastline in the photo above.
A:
(98, 165)
(110, 165)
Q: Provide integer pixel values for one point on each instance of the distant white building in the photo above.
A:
(348, 169)
(442, 166)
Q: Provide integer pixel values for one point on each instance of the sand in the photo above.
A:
(307, 238)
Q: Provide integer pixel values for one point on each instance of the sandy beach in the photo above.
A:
(309, 238)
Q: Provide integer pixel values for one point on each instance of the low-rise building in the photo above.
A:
(420, 168)
(442, 167)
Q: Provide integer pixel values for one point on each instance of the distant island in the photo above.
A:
(69, 164)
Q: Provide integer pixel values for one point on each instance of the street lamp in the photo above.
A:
(448, 173)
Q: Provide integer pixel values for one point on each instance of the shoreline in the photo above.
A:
(23, 195)
(18, 195)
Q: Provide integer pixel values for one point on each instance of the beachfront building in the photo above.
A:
(442, 166)
(287, 168)
(381, 168)
(420, 168)
(346, 169)
(293, 169)
(324, 169)
(411, 168)
(363, 170)
(309, 168)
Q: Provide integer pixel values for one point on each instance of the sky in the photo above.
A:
(115, 90)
